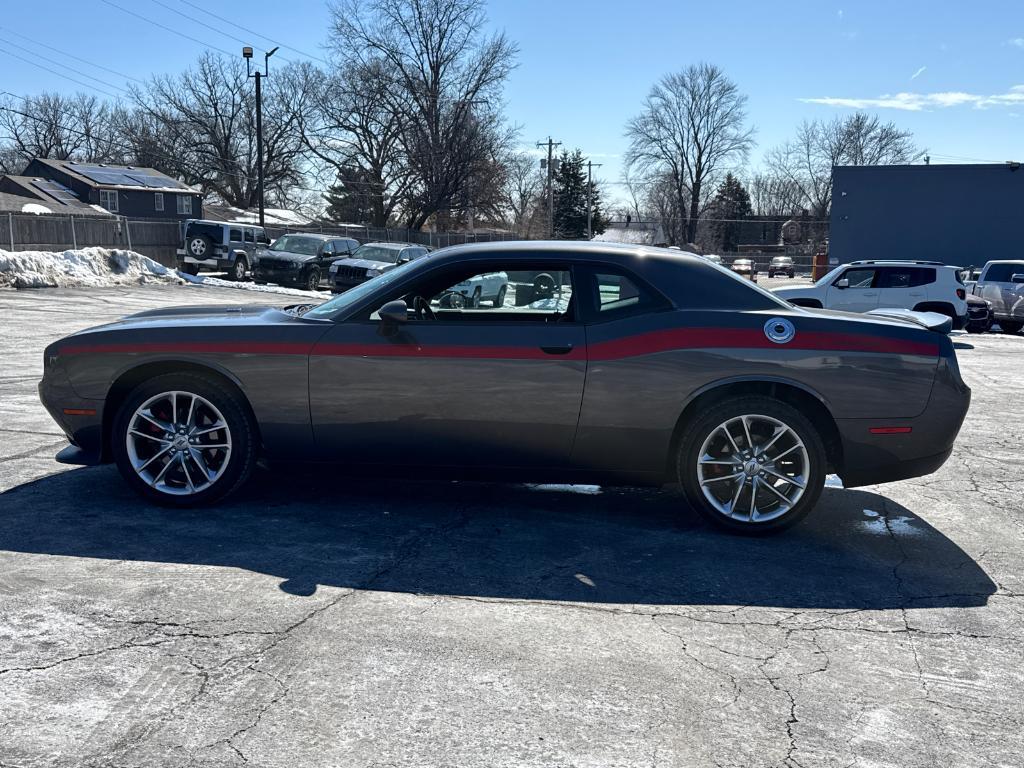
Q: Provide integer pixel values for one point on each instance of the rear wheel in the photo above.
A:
(1009, 327)
(183, 440)
(753, 465)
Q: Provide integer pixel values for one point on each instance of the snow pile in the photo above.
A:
(87, 267)
(35, 208)
(109, 267)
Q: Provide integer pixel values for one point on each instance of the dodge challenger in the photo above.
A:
(643, 366)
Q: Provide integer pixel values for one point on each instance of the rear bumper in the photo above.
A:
(870, 458)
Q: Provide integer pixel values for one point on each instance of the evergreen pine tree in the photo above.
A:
(348, 200)
(570, 188)
(731, 203)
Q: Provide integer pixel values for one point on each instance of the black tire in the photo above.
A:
(189, 269)
(313, 279)
(240, 426)
(199, 246)
(474, 301)
(499, 300)
(791, 275)
(1009, 327)
(708, 421)
(239, 269)
(979, 326)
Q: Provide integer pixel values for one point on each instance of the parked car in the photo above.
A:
(781, 265)
(301, 259)
(472, 291)
(747, 400)
(979, 315)
(1002, 284)
(219, 246)
(370, 260)
(860, 286)
(745, 267)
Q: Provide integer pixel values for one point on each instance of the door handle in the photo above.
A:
(558, 349)
(870, 294)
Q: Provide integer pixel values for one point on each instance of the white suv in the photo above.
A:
(861, 286)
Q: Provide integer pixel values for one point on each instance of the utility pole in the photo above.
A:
(551, 192)
(247, 55)
(590, 206)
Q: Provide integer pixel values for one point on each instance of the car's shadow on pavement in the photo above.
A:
(629, 545)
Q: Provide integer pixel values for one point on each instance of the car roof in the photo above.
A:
(315, 235)
(898, 263)
(394, 245)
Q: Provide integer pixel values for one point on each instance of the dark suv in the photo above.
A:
(301, 259)
(219, 246)
(370, 260)
(781, 265)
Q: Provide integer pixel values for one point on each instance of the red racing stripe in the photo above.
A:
(648, 343)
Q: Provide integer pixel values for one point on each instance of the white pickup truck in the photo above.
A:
(1001, 283)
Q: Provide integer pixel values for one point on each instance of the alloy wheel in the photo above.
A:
(753, 468)
(178, 443)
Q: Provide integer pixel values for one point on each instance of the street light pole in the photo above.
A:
(247, 55)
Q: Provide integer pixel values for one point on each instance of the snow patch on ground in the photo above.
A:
(881, 526)
(106, 268)
(588, 490)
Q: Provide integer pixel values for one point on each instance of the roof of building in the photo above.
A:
(32, 190)
(634, 233)
(119, 176)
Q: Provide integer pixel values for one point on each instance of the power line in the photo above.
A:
(194, 20)
(253, 32)
(70, 55)
(60, 74)
(65, 66)
(165, 27)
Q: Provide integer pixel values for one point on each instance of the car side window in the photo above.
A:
(896, 277)
(859, 278)
(328, 249)
(615, 295)
(250, 236)
(234, 235)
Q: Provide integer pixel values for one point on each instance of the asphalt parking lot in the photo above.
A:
(319, 621)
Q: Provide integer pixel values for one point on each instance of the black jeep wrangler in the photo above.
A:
(220, 246)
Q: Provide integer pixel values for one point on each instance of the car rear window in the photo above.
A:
(1002, 273)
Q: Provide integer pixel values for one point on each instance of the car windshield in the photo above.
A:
(353, 296)
(377, 253)
(302, 244)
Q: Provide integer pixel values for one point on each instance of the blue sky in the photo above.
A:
(951, 72)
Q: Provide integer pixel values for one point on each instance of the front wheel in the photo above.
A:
(184, 440)
(753, 465)
(313, 279)
(239, 269)
(499, 300)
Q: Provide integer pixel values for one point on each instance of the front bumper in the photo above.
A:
(290, 276)
(79, 418)
(883, 458)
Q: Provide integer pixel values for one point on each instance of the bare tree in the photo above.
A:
(522, 192)
(774, 195)
(200, 126)
(691, 130)
(806, 162)
(55, 126)
(353, 134)
(445, 80)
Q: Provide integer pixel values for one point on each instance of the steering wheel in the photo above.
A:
(422, 310)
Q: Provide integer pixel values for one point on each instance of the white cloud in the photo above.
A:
(918, 73)
(918, 102)
(1017, 41)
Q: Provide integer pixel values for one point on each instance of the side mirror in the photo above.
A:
(1017, 278)
(844, 283)
(394, 313)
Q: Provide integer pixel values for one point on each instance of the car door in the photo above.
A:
(485, 387)
(859, 293)
(896, 287)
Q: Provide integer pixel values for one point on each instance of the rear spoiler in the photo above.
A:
(933, 321)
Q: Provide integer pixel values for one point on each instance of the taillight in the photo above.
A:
(961, 294)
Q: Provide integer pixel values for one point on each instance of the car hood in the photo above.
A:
(364, 264)
(191, 317)
(298, 258)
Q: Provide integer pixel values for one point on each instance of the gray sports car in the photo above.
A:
(623, 374)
